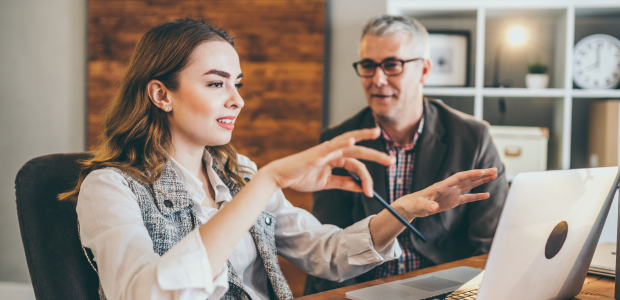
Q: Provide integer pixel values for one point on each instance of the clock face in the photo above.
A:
(596, 62)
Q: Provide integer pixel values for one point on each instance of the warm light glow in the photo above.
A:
(516, 35)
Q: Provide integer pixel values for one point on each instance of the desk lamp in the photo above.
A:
(516, 36)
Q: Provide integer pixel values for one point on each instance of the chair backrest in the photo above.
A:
(58, 267)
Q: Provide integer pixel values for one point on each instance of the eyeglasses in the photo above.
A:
(391, 67)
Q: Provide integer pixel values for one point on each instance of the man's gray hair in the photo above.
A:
(387, 25)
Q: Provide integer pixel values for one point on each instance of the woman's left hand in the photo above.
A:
(446, 194)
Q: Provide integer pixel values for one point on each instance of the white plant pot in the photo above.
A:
(536, 81)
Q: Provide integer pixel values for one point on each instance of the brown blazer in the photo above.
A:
(451, 142)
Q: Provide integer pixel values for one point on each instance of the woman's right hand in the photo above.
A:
(311, 170)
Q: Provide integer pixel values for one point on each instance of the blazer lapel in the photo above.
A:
(377, 171)
(431, 151)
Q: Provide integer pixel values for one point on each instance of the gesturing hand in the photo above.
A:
(311, 170)
(446, 194)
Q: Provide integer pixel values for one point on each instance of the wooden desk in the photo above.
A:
(594, 287)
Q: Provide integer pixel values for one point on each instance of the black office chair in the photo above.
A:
(58, 267)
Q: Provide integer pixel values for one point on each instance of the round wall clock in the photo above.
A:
(596, 62)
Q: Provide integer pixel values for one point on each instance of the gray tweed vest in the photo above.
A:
(168, 216)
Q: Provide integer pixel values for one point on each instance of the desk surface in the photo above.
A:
(594, 287)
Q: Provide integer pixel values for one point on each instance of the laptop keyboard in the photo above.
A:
(465, 295)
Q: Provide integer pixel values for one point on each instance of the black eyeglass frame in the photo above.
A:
(380, 65)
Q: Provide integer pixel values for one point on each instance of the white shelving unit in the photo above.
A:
(554, 21)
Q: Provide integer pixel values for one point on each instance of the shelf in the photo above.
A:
(449, 21)
(596, 93)
(460, 103)
(511, 12)
(530, 112)
(544, 42)
(598, 20)
(522, 92)
(441, 13)
(552, 27)
(597, 12)
(449, 91)
(406, 7)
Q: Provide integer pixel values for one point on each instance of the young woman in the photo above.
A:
(171, 211)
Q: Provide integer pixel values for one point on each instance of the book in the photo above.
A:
(603, 133)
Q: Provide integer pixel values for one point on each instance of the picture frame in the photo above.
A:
(450, 57)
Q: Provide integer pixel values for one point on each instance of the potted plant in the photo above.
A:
(537, 78)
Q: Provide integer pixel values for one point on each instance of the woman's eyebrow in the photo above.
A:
(218, 72)
(222, 73)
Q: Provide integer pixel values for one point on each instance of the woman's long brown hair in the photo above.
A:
(136, 134)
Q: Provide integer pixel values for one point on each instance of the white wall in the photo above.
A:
(42, 104)
(345, 94)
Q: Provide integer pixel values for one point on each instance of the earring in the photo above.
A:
(167, 108)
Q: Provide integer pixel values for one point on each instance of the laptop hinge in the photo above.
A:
(617, 286)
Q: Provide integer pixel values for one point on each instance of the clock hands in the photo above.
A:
(598, 54)
(598, 59)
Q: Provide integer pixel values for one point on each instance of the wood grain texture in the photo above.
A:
(594, 287)
(280, 43)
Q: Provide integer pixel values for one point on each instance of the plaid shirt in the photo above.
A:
(400, 180)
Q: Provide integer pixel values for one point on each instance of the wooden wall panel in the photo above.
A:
(280, 43)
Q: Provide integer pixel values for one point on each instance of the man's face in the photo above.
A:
(395, 96)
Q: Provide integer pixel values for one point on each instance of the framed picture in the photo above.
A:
(449, 57)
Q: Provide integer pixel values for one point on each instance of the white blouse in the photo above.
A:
(111, 225)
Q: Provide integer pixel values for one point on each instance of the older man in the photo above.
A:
(430, 140)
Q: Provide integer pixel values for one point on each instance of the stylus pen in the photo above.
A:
(388, 207)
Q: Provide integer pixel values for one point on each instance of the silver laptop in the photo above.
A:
(545, 240)
(604, 260)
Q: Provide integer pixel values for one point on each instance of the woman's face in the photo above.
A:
(206, 104)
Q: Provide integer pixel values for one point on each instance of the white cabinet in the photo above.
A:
(553, 28)
(521, 149)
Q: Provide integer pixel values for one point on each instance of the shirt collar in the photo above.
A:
(408, 146)
(194, 185)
